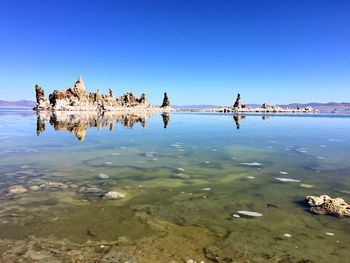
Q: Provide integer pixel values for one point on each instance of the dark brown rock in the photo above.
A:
(39, 92)
(237, 103)
(166, 102)
(110, 92)
(143, 99)
(41, 102)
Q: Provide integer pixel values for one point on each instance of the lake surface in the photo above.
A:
(184, 176)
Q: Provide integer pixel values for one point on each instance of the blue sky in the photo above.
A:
(200, 52)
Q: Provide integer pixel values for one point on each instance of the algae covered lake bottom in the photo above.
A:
(185, 176)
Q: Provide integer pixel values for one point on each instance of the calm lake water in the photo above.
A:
(184, 176)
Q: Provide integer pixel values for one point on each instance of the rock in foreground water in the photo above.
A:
(324, 205)
(113, 257)
(114, 195)
(16, 189)
(103, 176)
(249, 213)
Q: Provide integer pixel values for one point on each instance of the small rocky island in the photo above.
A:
(238, 107)
(76, 98)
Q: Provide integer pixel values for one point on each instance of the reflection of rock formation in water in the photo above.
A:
(166, 118)
(76, 98)
(40, 126)
(79, 123)
(237, 119)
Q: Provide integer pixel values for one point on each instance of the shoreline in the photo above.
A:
(199, 110)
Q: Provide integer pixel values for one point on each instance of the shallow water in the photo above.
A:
(184, 176)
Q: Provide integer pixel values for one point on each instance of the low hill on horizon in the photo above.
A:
(320, 106)
(315, 105)
(17, 104)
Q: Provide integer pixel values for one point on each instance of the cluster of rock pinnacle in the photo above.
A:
(76, 98)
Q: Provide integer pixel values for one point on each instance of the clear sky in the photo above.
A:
(200, 52)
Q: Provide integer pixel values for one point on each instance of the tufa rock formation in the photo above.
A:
(271, 108)
(129, 100)
(324, 205)
(41, 102)
(76, 98)
(40, 94)
(237, 103)
(166, 102)
(238, 107)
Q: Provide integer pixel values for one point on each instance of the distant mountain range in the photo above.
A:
(17, 104)
(320, 106)
(191, 107)
(315, 105)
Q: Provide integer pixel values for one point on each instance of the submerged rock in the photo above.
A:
(114, 195)
(151, 154)
(287, 180)
(324, 205)
(90, 190)
(113, 257)
(252, 164)
(53, 185)
(306, 185)
(34, 187)
(16, 189)
(249, 213)
(182, 176)
(103, 176)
